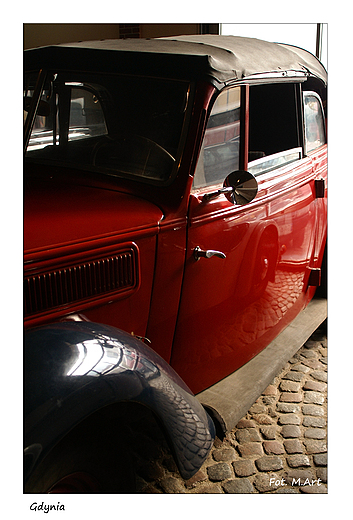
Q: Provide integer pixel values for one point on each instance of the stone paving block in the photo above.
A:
(288, 408)
(319, 375)
(246, 423)
(315, 489)
(270, 390)
(316, 386)
(314, 446)
(247, 435)
(289, 386)
(296, 461)
(207, 488)
(286, 490)
(313, 397)
(266, 482)
(272, 412)
(315, 433)
(273, 447)
(269, 399)
(320, 459)
(308, 354)
(312, 363)
(268, 432)
(263, 419)
(293, 446)
(313, 409)
(172, 485)
(250, 449)
(242, 485)
(269, 463)
(290, 418)
(224, 454)
(292, 375)
(217, 443)
(218, 472)
(295, 477)
(200, 476)
(290, 431)
(302, 368)
(257, 408)
(314, 422)
(291, 397)
(321, 473)
(244, 468)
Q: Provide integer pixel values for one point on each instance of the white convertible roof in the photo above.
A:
(222, 58)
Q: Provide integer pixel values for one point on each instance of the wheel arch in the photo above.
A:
(75, 369)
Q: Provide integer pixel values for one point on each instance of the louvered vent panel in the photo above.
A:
(72, 284)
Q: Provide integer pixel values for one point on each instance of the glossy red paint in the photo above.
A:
(56, 215)
(172, 238)
(66, 227)
(231, 309)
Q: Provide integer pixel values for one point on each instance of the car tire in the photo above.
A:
(91, 459)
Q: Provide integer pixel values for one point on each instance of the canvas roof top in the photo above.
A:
(222, 59)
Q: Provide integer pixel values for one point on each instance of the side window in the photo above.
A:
(220, 149)
(313, 122)
(273, 127)
(86, 115)
(45, 125)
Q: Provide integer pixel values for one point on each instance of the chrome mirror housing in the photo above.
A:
(244, 187)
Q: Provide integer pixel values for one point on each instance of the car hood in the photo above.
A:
(56, 215)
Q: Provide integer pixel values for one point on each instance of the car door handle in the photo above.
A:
(200, 253)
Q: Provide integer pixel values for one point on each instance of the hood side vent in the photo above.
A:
(68, 285)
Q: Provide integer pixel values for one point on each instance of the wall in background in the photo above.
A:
(37, 34)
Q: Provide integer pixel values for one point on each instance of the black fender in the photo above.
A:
(73, 369)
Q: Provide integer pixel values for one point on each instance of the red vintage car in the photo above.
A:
(174, 232)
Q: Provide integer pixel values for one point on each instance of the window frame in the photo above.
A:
(316, 96)
(64, 123)
(300, 145)
(244, 163)
(242, 125)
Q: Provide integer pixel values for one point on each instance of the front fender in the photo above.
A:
(73, 369)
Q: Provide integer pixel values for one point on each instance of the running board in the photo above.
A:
(230, 399)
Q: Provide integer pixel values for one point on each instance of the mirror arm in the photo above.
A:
(214, 194)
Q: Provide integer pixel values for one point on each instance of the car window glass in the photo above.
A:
(219, 154)
(313, 122)
(273, 127)
(86, 119)
(86, 115)
(116, 124)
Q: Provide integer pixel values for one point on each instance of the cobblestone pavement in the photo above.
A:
(280, 446)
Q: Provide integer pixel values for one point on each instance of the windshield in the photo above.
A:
(124, 126)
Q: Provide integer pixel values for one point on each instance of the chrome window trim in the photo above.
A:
(258, 162)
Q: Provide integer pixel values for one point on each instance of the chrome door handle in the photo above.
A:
(200, 253)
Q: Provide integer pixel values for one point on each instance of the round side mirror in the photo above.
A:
(244, 187)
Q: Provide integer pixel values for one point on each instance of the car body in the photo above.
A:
(176, 190)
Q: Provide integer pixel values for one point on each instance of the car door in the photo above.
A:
(235, 301)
